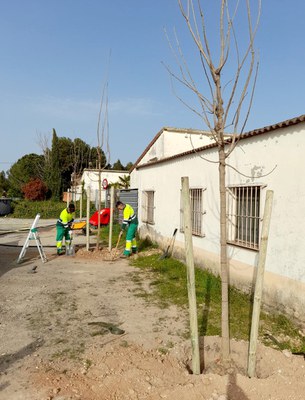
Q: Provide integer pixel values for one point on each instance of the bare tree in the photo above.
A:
(225, 99)
(102, 143)
(43, 140)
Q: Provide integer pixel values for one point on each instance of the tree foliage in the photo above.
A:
(122, 183)
(35, 190)
(55, 183)
(118, 166)
(55, 167)
(4, 184)
(28, 167)
(128, 166)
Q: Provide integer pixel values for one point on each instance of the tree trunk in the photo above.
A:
(224, 258)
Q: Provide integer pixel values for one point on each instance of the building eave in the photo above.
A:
(247, 135)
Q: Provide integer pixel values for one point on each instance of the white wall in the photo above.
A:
(91, 177)
(171, 142)
(277, 158)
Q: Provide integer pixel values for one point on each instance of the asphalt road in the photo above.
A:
(14, 233)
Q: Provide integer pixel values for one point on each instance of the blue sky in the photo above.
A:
(54, 63)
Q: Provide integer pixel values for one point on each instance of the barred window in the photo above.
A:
(243, 216)
(196, 202)
(148, 206)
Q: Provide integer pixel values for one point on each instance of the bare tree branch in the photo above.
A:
(215, 108)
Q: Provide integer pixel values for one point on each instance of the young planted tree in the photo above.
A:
(228, 65)
(103, 157)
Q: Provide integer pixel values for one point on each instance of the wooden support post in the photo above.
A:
(87, 219)
(81, 205)
(111, 217)
(190, 274)
(259, 284)
(68, 197)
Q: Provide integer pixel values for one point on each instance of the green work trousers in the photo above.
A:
(131, 243)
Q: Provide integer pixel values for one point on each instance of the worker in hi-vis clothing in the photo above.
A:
(130, 221)
(63, 227)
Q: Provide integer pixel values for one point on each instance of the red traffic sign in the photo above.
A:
(105, 183)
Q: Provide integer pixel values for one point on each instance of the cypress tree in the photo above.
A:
(55, 183)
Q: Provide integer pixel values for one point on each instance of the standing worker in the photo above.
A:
(130, 221)
(63, 227)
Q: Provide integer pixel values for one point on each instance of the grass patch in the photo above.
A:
(72, 353)
(143, 244)
(104, 235)
(169, 286)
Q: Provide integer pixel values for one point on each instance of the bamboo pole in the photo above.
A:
(190, 274)
(87, 218)
(259, 284)
(111, 217)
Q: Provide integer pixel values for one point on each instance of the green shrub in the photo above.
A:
(29, 209)
(47, 209)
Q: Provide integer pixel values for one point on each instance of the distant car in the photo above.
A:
(104, 218)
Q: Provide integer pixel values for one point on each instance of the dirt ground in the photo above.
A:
(80, 328)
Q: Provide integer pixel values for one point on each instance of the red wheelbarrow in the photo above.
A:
(104, 218)
(93, 221)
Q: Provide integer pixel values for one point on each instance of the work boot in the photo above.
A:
(60, 252)
(125, 255)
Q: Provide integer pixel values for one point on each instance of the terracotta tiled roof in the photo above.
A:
(255, 132)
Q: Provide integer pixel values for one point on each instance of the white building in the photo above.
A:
(90, 179)
(271, 158)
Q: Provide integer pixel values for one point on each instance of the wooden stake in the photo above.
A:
(111, 217)
(190, 274)
(81, 205)
(259, 284)
(87, 219)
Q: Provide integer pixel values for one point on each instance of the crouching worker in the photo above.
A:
(130, 221)
(63, 227)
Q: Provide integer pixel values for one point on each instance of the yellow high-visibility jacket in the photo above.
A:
(129, 216)
(65, 218)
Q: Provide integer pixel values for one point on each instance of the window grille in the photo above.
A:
(148, 206)
(243, 216)
(196, 202)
